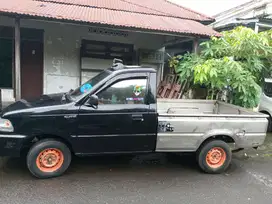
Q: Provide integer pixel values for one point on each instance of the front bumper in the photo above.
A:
(11, 144)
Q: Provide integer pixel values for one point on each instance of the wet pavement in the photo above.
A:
(146, 179)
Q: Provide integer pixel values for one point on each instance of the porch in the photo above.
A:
(44, 53)
(58, 57)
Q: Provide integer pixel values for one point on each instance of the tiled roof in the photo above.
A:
(153, 7)
(105, 12)
(175, 10)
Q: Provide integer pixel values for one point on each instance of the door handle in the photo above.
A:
(138, 117)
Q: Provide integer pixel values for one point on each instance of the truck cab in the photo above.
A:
(114, 112)
(115, 107)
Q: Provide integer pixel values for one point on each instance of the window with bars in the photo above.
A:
(107, 50)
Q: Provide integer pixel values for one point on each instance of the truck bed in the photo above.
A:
(201, 107)
(185, 124)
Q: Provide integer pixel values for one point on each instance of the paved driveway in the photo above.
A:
(144, 179)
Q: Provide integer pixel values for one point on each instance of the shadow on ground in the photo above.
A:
(152, 163)
(149, 162)
(263, 152)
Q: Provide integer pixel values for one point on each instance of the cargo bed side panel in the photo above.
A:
(186, 133)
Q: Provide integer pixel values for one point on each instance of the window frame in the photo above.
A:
(107, 53)
(122, 78)
(265, 87)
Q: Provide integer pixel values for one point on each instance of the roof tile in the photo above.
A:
(153, 7)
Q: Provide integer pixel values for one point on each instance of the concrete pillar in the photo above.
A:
(256, 28)
(1, 105)
(17, 47)
(195, 46)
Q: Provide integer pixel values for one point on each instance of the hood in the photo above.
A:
(44, 100)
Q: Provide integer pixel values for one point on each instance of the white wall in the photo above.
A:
(7, 97)
(90, 64)
(248, 10)
(62, 50)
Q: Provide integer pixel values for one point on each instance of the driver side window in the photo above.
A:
(129, 91)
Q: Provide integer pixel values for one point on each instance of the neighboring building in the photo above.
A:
(65, 42)
(256, 14)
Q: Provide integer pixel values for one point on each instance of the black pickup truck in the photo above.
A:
(116, 112)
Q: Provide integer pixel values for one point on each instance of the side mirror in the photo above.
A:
(92, 101)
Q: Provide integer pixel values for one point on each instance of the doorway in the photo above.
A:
(6, 63)
(31, 69)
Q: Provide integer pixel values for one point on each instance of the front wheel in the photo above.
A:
(48, 158)
(214, 156)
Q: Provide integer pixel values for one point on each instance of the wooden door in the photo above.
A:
(31, 69)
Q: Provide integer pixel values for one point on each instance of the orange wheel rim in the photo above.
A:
(216, 157)
(50, 160)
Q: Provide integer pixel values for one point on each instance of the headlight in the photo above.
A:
(6, 125)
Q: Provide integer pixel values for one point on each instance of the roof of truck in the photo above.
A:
(134, 68)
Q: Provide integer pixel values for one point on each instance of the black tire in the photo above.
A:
(205, 149)
(39, 147)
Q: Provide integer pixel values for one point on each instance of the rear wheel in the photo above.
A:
(48, 158)
(214, 156)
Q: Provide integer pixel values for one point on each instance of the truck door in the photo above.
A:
(121, 122)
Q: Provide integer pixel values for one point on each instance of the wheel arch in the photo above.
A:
(31, 141)
(225, 138)
(269, 128)
(265, 112)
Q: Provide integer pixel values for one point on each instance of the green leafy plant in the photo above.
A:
(236, 62)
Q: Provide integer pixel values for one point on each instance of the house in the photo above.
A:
(49, 46)
(256, 14)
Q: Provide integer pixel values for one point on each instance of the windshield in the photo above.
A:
(268, 87)
(87, 86)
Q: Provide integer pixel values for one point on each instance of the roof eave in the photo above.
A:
(123, 28)
(207, 22)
